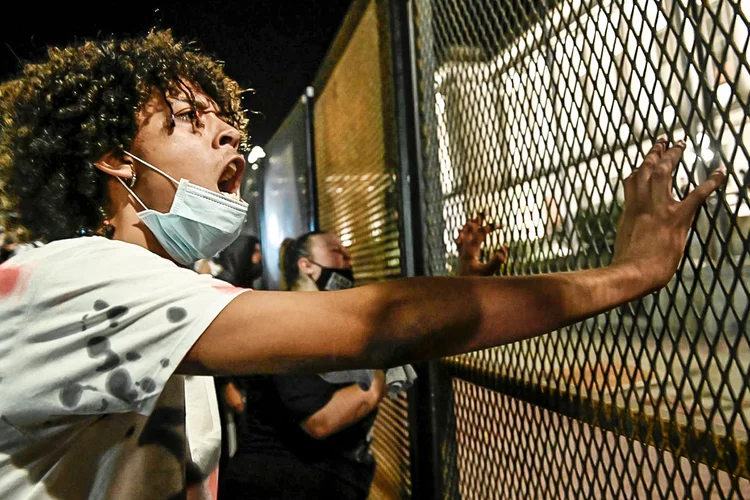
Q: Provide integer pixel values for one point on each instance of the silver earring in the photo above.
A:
(132, 180)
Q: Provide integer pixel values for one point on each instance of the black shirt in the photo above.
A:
(269, 430)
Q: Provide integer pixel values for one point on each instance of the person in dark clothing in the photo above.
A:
(301, 436)
(241, 262)
(308, 436)
(277, 457)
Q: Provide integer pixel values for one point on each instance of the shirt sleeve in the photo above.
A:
(303, 395)
(104, 328)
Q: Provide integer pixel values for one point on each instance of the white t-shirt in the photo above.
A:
(91, 331)
(203, 429)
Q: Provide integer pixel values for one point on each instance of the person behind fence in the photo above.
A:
(209, 423)
(303, 435)
(240, 264)
(308, 436)
(140, 139)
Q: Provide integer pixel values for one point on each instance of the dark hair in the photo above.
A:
(64, 114)
(291, 251)
(236, 259)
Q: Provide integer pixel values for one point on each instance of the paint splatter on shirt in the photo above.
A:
(91, 331)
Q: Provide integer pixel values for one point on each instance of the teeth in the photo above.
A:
(233, 196)
(228, 172)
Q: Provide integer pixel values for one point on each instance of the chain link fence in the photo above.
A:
(358, 195)
(534, 112)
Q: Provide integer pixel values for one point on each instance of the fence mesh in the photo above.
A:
(535, 112)
(358, 195)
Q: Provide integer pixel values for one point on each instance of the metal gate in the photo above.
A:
(535, 111)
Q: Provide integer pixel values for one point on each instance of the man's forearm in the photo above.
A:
(444, 316)
(401, 321)
(347, 406)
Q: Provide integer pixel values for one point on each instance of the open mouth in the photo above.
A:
(231, 177)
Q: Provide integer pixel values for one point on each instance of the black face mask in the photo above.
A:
(332, 278)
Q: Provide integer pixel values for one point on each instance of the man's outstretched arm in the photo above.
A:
(418, 318)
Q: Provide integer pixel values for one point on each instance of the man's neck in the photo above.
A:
(131, 229)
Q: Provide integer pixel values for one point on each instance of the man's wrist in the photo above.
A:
(635, 278)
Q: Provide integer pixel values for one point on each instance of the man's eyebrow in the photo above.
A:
(199, 100)
(201, 103)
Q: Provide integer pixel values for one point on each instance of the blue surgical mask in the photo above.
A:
(199, 224)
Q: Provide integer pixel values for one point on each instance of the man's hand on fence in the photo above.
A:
(469, 241)
(653, 228)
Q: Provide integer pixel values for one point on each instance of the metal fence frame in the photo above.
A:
(433, 404)
(433, 460)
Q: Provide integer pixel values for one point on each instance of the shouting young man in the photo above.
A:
(139, 140)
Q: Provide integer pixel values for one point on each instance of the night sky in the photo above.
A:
(273, 46)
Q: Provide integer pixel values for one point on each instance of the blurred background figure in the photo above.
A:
(242, 262)
(10, 246)
(215, 402)
(305, 436)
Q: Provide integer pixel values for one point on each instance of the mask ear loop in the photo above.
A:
(132, 193)
(153, 167)
(313, 262)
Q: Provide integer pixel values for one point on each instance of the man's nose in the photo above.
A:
(225, 134)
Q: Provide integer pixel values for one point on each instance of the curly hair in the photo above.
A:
(64, 114)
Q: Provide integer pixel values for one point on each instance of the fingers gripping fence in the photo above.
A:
(535, 111)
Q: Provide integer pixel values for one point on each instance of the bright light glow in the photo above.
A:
(444, 158)
(661, 22)
(569, 45)
(255, 154)
(512, 81)
(274, 230)
(624, 132)
(598, 46)
(254, 166)
(707, 155)
(724, 94)
(607, 24)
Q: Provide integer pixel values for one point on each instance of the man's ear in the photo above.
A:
(117, 165)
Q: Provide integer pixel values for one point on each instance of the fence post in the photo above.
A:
(312, 191)
(423, 412)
